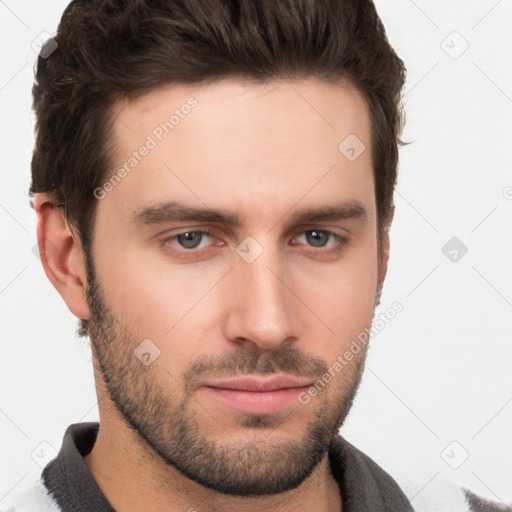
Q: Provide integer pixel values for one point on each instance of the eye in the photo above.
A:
(190, 239)
(319, 238)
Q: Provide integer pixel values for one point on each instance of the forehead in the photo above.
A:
(305, 109)
(231, 139)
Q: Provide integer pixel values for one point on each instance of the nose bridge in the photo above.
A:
(260, 313)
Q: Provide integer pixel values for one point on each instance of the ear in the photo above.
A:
(61, 255)
(384, 248)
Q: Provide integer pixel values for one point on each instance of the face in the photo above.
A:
(232, 263)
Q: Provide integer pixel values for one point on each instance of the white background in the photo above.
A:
(439, 373)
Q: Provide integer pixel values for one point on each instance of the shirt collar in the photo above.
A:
(363, 484)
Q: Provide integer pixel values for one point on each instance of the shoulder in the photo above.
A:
(436, 491)
(33, 499)
(365, 482)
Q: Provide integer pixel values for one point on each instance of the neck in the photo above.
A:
(131, 475)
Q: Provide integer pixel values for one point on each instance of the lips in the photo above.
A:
(256, 395)
(259, 384)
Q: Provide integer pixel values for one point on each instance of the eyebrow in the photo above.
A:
(177, 212)
(352, 209)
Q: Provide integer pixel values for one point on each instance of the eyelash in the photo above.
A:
(341, 241)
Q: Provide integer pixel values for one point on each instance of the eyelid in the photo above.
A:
(169, 238)
(341, 239)
(323, 227)
(173, 236)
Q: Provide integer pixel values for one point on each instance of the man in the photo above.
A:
(214, 188)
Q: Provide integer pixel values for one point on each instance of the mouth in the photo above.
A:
(253, 395)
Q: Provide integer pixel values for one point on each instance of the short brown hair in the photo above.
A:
(113, 49)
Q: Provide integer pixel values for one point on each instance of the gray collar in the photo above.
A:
(363, 484)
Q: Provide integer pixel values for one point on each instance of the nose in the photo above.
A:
(261, 312)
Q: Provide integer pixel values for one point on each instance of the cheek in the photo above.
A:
(341, 299)
(155, 300)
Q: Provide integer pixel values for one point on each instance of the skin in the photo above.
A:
(263, 152)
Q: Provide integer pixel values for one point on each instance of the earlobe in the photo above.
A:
(61, 255)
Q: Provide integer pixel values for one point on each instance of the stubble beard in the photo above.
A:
(165, 423)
